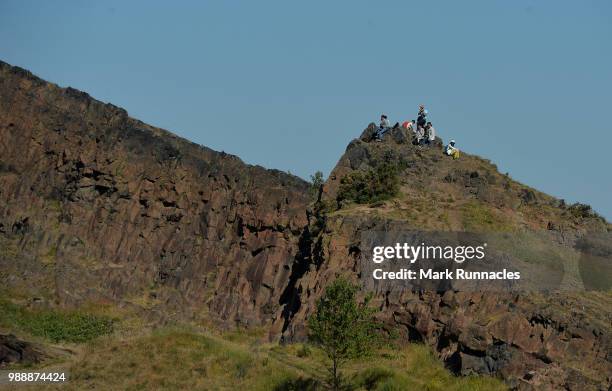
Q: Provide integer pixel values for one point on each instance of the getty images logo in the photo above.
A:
(411, 254)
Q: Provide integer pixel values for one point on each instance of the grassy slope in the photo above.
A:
(185, 357)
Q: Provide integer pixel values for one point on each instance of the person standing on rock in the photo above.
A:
(422, 117)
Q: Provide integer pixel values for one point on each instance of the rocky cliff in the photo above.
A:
(97, 207)
(535, 340)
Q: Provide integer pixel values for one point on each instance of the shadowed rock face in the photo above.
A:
(97, 207)
(16, 351)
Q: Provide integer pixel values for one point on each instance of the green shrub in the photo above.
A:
(316, 181)
(55, 325)
(584, 211)
(373, 185)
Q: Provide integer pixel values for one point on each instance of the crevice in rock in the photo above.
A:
(453, 363)
(290, 298)
(257, 251)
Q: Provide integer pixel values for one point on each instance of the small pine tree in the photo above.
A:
(343, 328)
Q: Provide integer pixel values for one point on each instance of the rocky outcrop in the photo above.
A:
(97, 207)
(535, 341)
(15, 351)
(543, 341)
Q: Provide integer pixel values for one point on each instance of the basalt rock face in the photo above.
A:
(533, 340)
(98, 207)
(539, 341)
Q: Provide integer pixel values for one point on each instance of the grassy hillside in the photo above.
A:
(183, 357)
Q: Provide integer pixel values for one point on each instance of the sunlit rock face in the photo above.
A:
(98, 208)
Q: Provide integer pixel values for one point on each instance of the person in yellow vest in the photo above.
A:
(451, 150)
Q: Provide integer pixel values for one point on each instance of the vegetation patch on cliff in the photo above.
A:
(56, 326)
(479, 217)
(364, 187)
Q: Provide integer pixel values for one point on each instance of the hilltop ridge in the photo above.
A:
(430, 179)
(97, 208)
(526, 334)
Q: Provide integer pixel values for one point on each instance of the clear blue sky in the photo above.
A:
(287, 84)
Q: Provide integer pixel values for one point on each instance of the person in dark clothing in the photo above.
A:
(422, 117)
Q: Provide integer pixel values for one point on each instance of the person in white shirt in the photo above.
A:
(384, 121)
(383, 126)
(451, 150)
(420, 135)
(431, 133)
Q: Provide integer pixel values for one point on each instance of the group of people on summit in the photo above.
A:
(424, 132)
